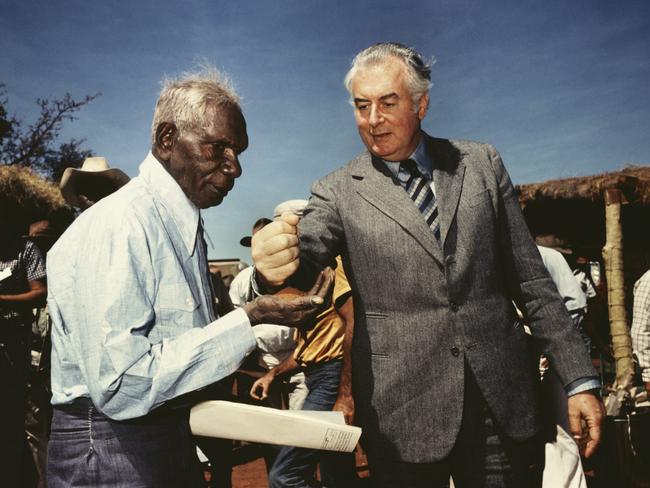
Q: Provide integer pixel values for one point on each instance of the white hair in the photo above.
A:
(189, 100)
(418, 73)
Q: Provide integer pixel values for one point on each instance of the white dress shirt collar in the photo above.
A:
(167, 191)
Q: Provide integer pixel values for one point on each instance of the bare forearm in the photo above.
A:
(346, 312)
(35, 297)
(288, 366)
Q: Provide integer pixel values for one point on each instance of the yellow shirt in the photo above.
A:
(324, 341)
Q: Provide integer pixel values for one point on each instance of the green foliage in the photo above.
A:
(36, 146)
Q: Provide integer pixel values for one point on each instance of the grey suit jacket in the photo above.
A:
(424, 310)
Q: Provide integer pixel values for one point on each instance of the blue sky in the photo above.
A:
(560, 88)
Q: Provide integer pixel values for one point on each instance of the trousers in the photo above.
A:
(88, 449)
(296, 466)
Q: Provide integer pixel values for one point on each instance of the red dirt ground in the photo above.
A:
(253, 473)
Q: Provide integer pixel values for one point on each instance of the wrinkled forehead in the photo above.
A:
(228, 123)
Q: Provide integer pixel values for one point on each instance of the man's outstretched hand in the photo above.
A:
(295, 311)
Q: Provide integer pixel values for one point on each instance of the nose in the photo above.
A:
(375, 116)
(231, 166)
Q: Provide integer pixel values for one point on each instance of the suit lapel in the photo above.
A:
(448, 173)
(375, 184)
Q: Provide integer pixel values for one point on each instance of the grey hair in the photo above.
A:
(418, 73)
(189, 100)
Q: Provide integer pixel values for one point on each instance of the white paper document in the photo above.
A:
(310, 429)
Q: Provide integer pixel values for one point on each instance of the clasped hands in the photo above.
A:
(275, 253)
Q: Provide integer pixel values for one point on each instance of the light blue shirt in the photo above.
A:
(131, 306)
(425, 165)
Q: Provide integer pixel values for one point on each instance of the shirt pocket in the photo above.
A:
(176, 305)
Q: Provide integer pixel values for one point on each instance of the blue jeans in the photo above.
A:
(296, 466)
(88, 449)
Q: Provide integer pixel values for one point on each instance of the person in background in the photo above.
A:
(641, 327)
(275, 343)
(573, 296)
(323, 353)
(22, 288)
(85, 186)
(562, 457)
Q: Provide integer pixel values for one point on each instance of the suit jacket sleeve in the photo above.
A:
(321, 235)
(532, 287)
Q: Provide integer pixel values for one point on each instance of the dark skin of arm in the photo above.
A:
(35, 297)
(344, 401)
(260, 389)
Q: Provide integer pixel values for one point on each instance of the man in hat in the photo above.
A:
(85, 186)
(436, 249)
(134, 330)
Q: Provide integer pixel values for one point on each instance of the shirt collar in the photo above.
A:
(420, 156)
(167, 191)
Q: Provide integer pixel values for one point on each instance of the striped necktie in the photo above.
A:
(419, 189)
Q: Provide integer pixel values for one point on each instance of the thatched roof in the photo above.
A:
(634, 181)
(28, 197)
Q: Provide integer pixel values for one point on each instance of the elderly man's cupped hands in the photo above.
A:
(292, 310)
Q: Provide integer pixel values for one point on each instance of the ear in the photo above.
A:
(423, 106)
(166, 133)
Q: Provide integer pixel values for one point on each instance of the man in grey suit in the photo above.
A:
(442, 374)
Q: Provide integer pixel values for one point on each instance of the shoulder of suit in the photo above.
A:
(350, 168)
(462, 145)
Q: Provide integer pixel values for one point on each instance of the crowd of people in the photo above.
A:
(392, 296)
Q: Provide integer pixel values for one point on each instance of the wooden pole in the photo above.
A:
(620, 331)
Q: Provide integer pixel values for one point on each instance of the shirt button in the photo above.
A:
(453, 306)
(455, 351)
(189, 301)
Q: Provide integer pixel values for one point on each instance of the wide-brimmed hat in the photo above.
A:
(95, 179)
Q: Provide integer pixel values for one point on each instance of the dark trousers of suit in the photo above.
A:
(482, 456)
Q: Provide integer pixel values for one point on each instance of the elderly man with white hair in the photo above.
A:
(134, 330)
